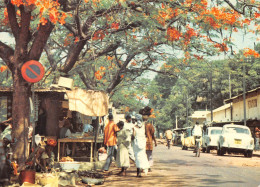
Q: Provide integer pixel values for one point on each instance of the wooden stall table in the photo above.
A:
(73, 140)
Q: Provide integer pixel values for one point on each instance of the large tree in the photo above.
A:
(130, 35)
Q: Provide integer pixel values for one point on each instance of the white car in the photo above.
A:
(235, 139)
(210, 138)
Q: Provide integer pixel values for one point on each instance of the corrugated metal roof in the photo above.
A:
(10, 89)
(199, 114)
(223, 107)
(6, 89)
(232, 98)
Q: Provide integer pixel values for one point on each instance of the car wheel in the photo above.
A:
(222, 151)
(208, 149)
(245, 154)
(183, 148)
(249, 154)
(203, 149)
(218, 151)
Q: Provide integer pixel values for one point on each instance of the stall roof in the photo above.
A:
(87, 102)
(10, 89)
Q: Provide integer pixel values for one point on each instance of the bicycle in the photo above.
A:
(197, 146)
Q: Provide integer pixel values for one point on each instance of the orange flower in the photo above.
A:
(43, 21)
(76, 40)
(133, 63)
(100, 34)
(198, 57)
(173, 34)
(102, 68)
(257, 15)
(109, 57)
(251, 52)
(122, 76)
(98, 75)
(3, 68)
(115, 26)
(222, 47)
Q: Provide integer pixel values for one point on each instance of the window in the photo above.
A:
(252, 103)
(237, 130)
(216, 131)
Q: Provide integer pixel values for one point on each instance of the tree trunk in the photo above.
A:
(20, 114)
(52, 110)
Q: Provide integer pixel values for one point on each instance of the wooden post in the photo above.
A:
(96, 136)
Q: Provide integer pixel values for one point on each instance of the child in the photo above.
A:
(123, 142)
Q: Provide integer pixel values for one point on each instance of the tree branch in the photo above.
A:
(7, 54)
(237, 10)
(40, 41)
(24, 34)
(12, 19)
(50, 57)
(73, 56)
(85, 81)
(117, 78)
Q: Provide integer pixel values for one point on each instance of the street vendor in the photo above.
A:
(47, 157)
(65, 129)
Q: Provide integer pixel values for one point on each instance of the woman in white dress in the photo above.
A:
(139, 146)
(123, 142)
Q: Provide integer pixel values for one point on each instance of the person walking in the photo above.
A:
(150, 138)
(139, 146)
(168, 135)
(129, 126)
(110, 141)
(123, 142)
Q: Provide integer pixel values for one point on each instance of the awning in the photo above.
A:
(88, 102)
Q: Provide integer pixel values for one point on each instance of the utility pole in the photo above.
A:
(187, 112)
(248, 60)
(230, 95)
(244, 93)
(176, 122)
(211, 111)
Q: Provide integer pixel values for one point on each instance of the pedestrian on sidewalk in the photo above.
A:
(150, 138)
(123, 142)
(110, 141)
(129, 126)
(139, 146)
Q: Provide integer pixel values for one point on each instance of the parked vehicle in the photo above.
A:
(235, 139)
(210, 139)
(188, 140)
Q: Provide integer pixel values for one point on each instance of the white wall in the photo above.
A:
(220, 116)
(252, 109)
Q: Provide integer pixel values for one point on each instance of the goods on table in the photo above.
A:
(70, 166)
(66, 159)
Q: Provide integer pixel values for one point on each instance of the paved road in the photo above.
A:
(176, 167)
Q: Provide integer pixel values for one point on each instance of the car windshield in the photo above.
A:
(215, 131)
(237, 130)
